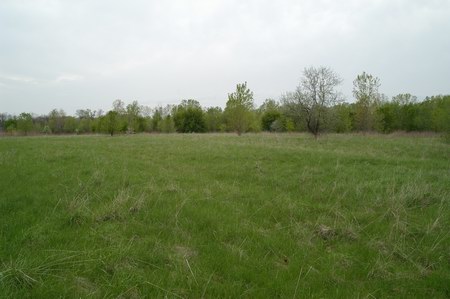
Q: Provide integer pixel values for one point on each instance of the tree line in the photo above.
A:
(315, 105)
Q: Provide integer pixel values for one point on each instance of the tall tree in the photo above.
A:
(365, 91)
(133, 112)
(111, 122)
(406, 112)
(156, 119)
(214, 119)
(86, 120)
(25, 123)
(238, 110)
(56, 120)
(189, 117)
(70, 125)
(315, 93)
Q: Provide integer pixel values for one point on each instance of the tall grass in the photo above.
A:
(201, 216)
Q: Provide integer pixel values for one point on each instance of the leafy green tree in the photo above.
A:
(405, 113)
(189, 117)
(214, 119)
(167, 125)
(86, 120)
(11, 125)
(270, 112)
(238, 110)
(46, 130)
(387, 117)
(341, 121)
(25, 123)
(145, 121)
(111, 123)
(85, 125)
(268, 118)
(365, 91)
(162, 120)
(315, 93)
(70, 124)
(56, 120)
(133, 112)
(157, 117)
(440, 116)
(121, 116)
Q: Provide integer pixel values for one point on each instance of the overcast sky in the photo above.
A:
(87, 53)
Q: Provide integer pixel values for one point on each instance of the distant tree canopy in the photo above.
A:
(214, 119)
(315, 106)
(365, 91)
(189, 117)
(25, 123)
(270, 115)
(110, 123)
(238, 110)
(314, 96)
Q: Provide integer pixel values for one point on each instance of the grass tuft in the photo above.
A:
(217, 215)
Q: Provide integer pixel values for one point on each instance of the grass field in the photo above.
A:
(191, 216)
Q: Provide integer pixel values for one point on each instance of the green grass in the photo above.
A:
(274, 216)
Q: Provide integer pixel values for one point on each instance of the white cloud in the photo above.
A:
(18, 79)
(68, 78)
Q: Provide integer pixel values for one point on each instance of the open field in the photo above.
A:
(265, 215)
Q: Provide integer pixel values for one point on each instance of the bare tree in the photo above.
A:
(315, 93)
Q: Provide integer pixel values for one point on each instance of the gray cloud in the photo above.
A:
(85, 54)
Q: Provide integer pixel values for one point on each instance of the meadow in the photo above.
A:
(220, 215)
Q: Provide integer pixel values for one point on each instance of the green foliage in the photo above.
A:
(365, 91)
(189, 117)
(440, 115)
(288, 124)
(70, 124)
(134, 122)
(85, 125)
(157, 118)
(56, 120)
(46, 130)
(268, 118)
(340, 118)
(270, 112)
(387, 120)
(25, 123)
(167, 125)
(405, 113)
(11, 123)
(238, 111)
(111, 122)
(303, 110)
(214, 119)
(86, 120)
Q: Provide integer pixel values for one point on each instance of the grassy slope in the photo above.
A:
(224, 216)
